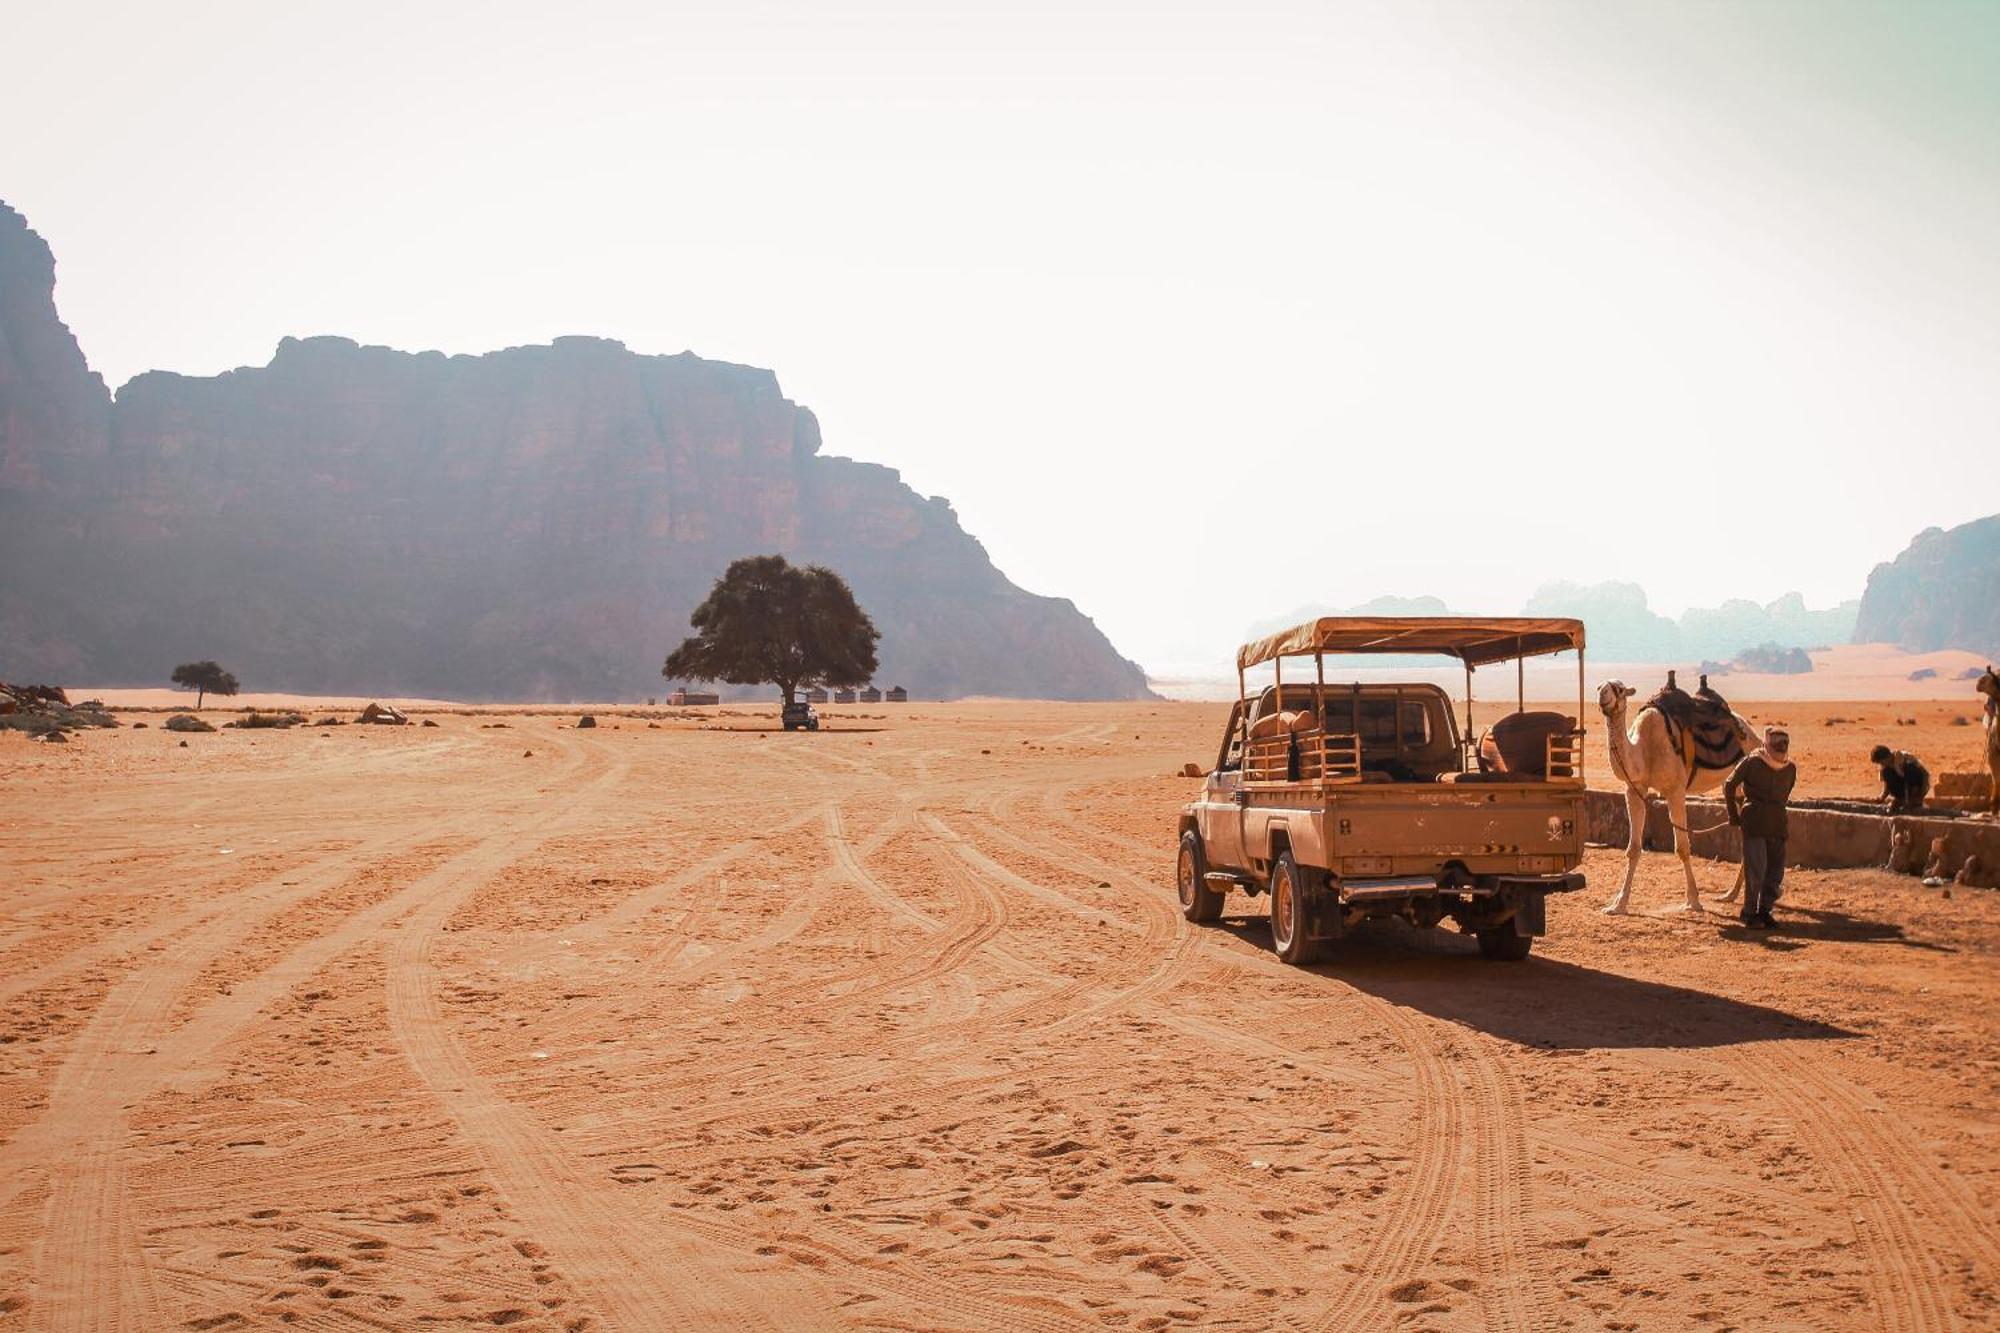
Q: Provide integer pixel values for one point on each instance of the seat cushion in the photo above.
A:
(1522, 739)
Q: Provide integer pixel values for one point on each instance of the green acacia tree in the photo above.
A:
(204, 678)
(767, 620)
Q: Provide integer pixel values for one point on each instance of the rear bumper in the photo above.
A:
(1568, 883)
(1364, 890)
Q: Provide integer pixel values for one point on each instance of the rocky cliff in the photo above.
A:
(1941, 592)
(534, 523)
(54, 411)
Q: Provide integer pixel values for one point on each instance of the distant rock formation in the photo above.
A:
(1943, 591)
(1786, 622)
(1386, 605)
(1620, 625)
(1766, 659)
(534, 523)
(1623, 628)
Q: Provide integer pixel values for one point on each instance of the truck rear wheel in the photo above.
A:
(1291, 906)
(1504, 944)
(1198, 901)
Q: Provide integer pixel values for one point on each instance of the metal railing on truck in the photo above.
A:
(1336, 758)
(1319, 758)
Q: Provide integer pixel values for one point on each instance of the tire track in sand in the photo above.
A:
(658, 960)
(1501, 1154)
(599, 1254)
(779, 1098)
(1164, 932)
(673, 1279)
(1504, 1164)
(1866, 1161)
(1408, 1236)
(88, 1244)
(635, 907)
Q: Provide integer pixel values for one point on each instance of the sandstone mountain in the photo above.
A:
(1624, 628)
(534, 523)
(1943, 591)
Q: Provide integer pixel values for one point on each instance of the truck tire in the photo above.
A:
(1291, 908)
(1198, 901)
(1504, 944)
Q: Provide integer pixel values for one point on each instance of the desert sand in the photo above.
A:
(896, 1026)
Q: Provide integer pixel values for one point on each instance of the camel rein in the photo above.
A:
(1692, 831)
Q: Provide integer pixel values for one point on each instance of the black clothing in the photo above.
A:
(1905, 781)
(1766, 790)
(1763, 875)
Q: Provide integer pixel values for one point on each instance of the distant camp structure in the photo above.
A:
(693, 698)
(871, 695)
(843, 696)
(816, 695)
(897, 695)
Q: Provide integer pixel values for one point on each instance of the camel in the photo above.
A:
(1646, 760)
(1989, 685)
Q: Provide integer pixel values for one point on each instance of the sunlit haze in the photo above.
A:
(1195, 314)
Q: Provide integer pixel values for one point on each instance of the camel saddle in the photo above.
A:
(1701, 726)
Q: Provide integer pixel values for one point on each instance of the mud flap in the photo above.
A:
(1325, 917)
(1531, 916)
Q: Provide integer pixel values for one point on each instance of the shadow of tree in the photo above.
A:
(824, 730)
(1541, 1002)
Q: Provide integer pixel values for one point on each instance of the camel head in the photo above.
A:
(1612, 696)
(1989, 685)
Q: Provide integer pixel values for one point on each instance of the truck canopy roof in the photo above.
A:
(1474, 640)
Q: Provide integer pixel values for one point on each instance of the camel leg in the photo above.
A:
(1677, 805)
(1635, 823)
(1735, 893)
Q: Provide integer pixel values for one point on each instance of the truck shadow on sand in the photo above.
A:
(1542, 1002)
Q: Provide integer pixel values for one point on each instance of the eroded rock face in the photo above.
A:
(1941, 592)
(533, 523)
(54, 411)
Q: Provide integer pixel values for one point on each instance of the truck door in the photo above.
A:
(1221, 812)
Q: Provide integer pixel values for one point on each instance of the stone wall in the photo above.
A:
(1820, 839)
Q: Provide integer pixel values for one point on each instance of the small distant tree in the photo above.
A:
(767, 620)
(204, 678)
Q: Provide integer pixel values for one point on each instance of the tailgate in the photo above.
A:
(1492, 829)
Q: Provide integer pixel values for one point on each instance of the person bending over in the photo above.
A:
(1905, 780)
(1756, 794)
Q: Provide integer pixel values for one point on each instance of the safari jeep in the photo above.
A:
(1350, 801)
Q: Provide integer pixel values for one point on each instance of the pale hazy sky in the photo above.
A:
(1195, 313)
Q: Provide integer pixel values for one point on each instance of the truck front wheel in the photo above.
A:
(1198, 901)
(1291, 907)
(1504, 944)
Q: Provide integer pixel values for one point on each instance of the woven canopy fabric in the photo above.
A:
(1471, 639)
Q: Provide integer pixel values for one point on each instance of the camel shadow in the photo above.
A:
(1542, 1002)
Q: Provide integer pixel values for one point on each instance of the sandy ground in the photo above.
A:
(897, 1027)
